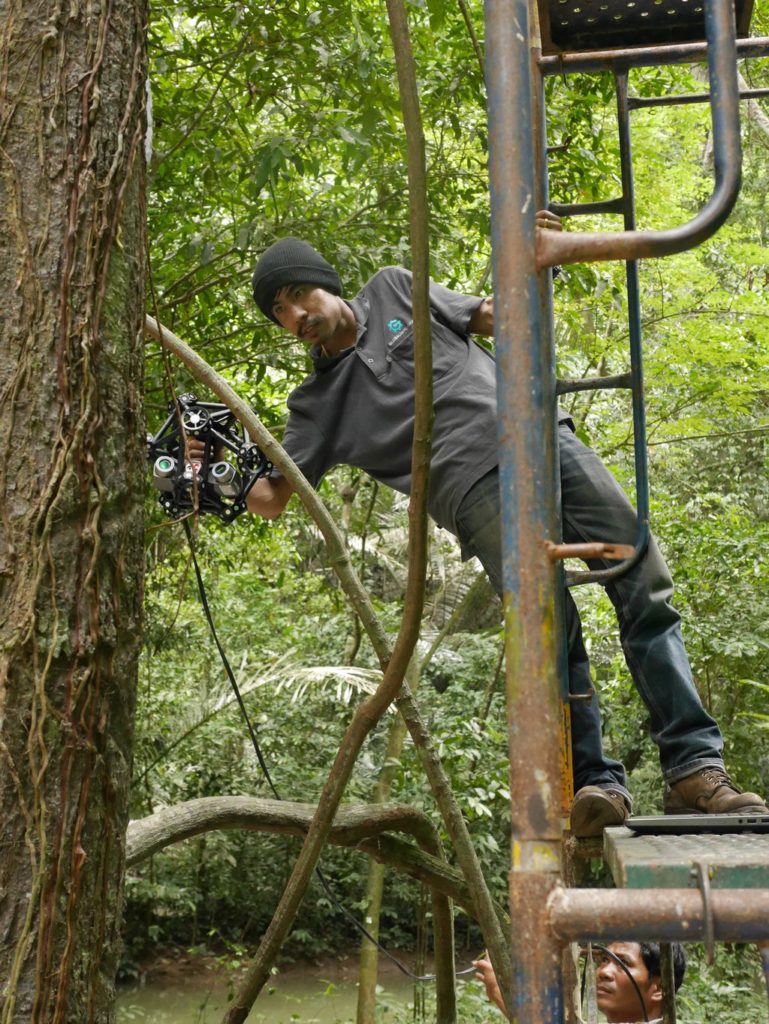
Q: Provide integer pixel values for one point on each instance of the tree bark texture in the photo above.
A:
(72, 102)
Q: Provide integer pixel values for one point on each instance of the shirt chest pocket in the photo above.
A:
(399, 350)
(448, 350)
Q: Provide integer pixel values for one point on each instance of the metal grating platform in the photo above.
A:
(668, 862)
(569, 26)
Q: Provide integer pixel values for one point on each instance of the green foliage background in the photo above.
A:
(282, 118)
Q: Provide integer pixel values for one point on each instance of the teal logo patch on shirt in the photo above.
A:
(395, 325)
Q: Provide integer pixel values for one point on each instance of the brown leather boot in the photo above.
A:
(594, 809)
(710, 791)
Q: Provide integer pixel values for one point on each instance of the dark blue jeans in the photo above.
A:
(595, 508)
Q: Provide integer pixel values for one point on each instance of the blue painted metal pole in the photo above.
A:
(550, 438)
(634, 317)
(635, 331)
(526, 399)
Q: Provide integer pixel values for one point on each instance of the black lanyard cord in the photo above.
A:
(225, 662)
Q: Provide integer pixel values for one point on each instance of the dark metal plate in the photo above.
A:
(577, 25)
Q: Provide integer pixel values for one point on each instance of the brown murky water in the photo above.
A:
(310, 994)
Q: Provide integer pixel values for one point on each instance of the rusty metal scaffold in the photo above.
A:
(547, 915)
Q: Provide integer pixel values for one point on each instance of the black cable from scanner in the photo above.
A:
(262, 764)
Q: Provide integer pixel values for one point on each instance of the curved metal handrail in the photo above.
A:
(554, 248)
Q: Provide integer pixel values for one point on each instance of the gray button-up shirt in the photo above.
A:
(357, 408)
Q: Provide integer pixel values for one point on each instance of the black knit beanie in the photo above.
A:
(290, 261)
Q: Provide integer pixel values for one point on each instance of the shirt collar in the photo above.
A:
(360, 306)
(323, 364)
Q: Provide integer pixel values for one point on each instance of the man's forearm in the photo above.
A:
(482, 320)
(269, 496)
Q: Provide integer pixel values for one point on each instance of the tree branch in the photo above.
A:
(473, 36)
(352, 823)
(362, 827)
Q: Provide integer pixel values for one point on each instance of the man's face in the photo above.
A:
(616, 996)
(308, 312)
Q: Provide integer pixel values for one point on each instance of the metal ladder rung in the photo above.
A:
(588, 209)
(567, 386)
(591, 549)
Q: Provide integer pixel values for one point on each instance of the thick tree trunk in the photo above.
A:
(72, 98)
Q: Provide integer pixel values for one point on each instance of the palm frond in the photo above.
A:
(341, 681)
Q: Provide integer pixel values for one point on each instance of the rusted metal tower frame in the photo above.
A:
(544, 914)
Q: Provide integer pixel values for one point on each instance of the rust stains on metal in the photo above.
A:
(738, 915)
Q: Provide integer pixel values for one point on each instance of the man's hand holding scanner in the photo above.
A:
(268, 496)
(195, 449)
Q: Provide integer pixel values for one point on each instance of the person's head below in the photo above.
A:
(295, 287)
(618, 998)
(621, 1000)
